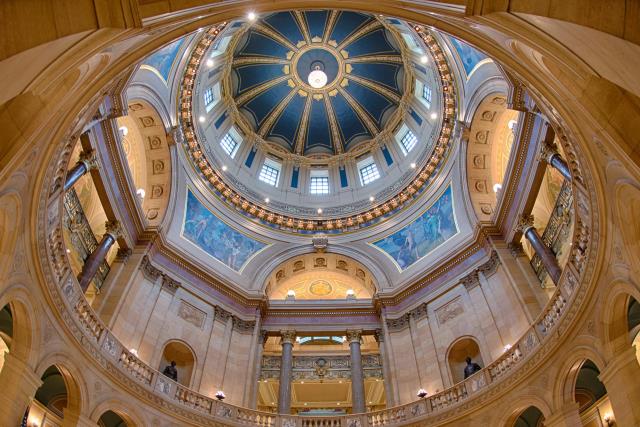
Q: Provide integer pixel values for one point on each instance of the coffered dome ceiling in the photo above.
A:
(317, 82)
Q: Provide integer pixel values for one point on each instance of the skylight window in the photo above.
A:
(270, 172)
(407, 142)
(368, 171)
(229, 145)
(319, 183)
(209, 99)
(426, 95)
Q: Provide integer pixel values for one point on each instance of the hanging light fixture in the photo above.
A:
(317, 78)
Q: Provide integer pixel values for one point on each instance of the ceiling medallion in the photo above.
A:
(317, 78)
(289, 223)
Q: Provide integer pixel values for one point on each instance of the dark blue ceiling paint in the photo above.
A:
(329, 63)
(385, 73)
(349, 122)
(285, 23)
(373, 102)
(266, 101)
(375, 42)
(316, 22)
(287, 125)
(258, 44)
(250, 76)
(347, 23)
(319, 135)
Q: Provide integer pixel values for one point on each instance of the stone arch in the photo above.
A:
(26, 329)
(523, 404)
(628, 209)
(147, 153)
(123, 410)
(614, 316)
(564, 388)
(184, 356)
(10, 210)
(77, 393)
(462, 347)
(489, 146)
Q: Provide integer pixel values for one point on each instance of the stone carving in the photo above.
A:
(157, 167)
(354, 422)
(243, 326)
(419, 312)
(320, 288)
(320, 242)
(486, 208)
(399, 323)
(482, 137)
(471, 280)
(136, 106)
(288, 422)
(157, 190)
(155, 143)
(354, 335)
(123, 254)
(490, 267)
(114, 228)
(450, 311)
(488, 116)
(288, 336)
(298, 265)
(152, 213)
(149, 271)
(320, 262)
(191, 314)
(342, 265)
(524, 223)
(480, 185)
(360, 274)
(280, 275)
(221, 314)
(170, 284)
(147, 121)
(480, 161)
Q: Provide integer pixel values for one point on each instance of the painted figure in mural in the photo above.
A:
(471, 368)
(417, 239)
(171, 371)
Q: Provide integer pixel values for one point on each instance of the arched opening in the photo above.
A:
(6, 332)
(51, 399)
(590, 393)
(185, 361)
(112, 419)
(530, 417)
(457, 357)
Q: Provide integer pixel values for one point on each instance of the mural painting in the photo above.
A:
(430, 230)
(162, 60)
(222, 242)
(469, 56)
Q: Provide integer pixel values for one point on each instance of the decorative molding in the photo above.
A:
(450, 311)
(170, 284)
(516, 249)
(123, 254)
(114, 228)
(287, 337)
(191, 314)
(150, 272)
(471, 280)
(89, 159)
(399, 323)
(525, 222)
(354, 335)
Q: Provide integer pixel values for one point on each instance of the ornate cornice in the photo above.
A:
(150, 272)
(525, 222)
(354, 335)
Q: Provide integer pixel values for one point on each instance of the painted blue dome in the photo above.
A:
(361, 89)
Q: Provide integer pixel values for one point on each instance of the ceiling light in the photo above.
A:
(319, 211)
(266, 200)
(251, 16)
(133, 351)
(224, 167)
(338, 403)
(305, 403)
(350, 292)
(123, 130)
(422, 393)
(291, 293)
(424, 59)
(434, 116)
(209, 63)
(317, 79)
(140, 192)
(68, 251)
(220, 395)
(497, 187)
(511, 124)
(371, 198)
(507, 347)
(301, 382)
(413, 165)
(201, 119)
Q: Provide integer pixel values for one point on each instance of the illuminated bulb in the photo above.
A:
(140, 192)
(301, 382)
(291, 293)
(134, 352)
(220, 395)
(317, 79)
(209, 63)
(251, 16)
(305, 403)
(224, 167)
(413, 165)
(507, 347)
(123, 130)
(371, 198)
(497, 187)
(68, 251)
(266, 200)
(424, 59)
(512, 124)
(422, 393)
(319, 211)
(201, 119)
(338, 403)
(434, 116)
(350, 292)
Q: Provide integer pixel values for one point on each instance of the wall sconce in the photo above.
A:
(422, 393)
(291, 295)
(220, 395)
(134, 352)
(507, 347)
(608, 418)
(351, 294)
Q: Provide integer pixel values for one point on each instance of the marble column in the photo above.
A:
(357, 376)
(86, 162)
(19, 384)
(621, 377)
(386, 369)
(567, 416)
(92, 264)
(550, 155)
(548, 258)
(286, 371)
(253, 398)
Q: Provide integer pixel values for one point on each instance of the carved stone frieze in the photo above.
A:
(150, 272)
(170, 284)
(450, 311)
(398, 323)
(191, 314)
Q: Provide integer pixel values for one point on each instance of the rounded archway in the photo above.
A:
(112, 419)
(530, 417)
(6, 332)
(184, 358)
(57, 401)
(463, 348)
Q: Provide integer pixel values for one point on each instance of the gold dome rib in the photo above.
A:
(249, 60)
(338, 144)
(359, 33)
(377, 87)
(251, 93)
(302, 24)
(331, 22)
(275, 36)
(304, 126)
(275, 113)
(362, 113)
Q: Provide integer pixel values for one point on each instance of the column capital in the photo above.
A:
(287, 337)
(471, 280)
(525, 222)
(547, 151)
(516, 249)
(617, 363)
(354, 335)
(89, 159)
(379, 335)
(114, 228)
(123, 254)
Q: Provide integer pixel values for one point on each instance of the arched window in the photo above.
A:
(458, 353)
(182, 355)
(111, 419)
(589, 389)
(530, 417)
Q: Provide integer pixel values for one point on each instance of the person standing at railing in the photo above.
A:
(471, 368)
(171, 371)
